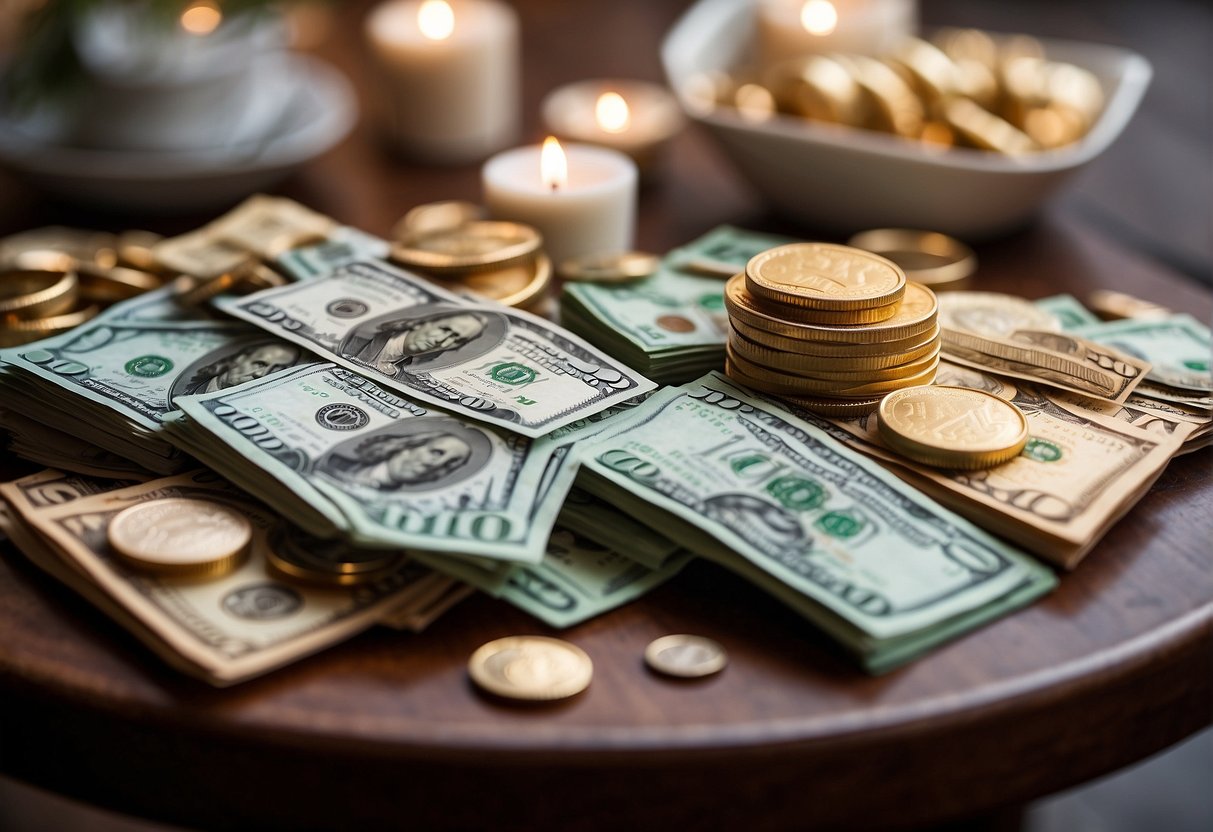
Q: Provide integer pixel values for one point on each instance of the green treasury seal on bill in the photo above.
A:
(479, 359)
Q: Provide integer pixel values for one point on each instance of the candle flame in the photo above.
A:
(553, 165)
(612, 112)
(436, 19)
(201, 18)
(819, 17)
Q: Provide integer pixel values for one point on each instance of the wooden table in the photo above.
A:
(386, 731)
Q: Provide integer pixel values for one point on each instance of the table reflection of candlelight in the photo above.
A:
(450, 76)
(634, 117)
(789, 28)
(581, 198)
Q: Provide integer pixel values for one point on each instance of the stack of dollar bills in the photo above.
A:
(671, 326)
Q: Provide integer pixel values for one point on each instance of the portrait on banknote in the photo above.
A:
(424, 338)
(427, 453)
(236, 363)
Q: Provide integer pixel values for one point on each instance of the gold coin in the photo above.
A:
(821, 366)
(952, 427)
(891, 105)
(931, 72)
(194, 291)
(37, 293)
(824, 369)
(779, 382)
(533, 668)
(181, 537)
(611, 268)
(521, 285)
(835, 408)
(934, 260)
(986, 130)
(293, 555)
(685, 656)
(470, 247)
(434, 217)
(878, 351)
(114, 284)
(16, 331)
(824, 276)
(992, 313)
(914, 316)
(817, 87)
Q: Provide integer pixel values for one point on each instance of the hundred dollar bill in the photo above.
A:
(345, 245)
(225, 630)
(599, 521)
(336, 452)
(671, 326)
(32, 440)
(479, 359)
(736, 478)
(111, 384)
(577, 580)
(1055, 358)
(1079, 473)
(1178, 348)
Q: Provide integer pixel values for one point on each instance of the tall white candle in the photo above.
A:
(789, 28)
(450, 72)
(581, 198)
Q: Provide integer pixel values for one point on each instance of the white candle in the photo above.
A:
(788, 28)
(450, 76)
(581, 198)
(634, 117)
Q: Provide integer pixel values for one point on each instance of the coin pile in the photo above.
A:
(53, 279)
(503, 261)
(829, 328)
(965, 88)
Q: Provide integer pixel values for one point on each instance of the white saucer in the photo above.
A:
(321, 112)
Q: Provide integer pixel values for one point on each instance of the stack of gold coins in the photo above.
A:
(830, 328)
(503, 261)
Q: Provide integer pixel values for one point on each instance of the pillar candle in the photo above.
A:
(449, 80)
(581, 198)
(789, 28)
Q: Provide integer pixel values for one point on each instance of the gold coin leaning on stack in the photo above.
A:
(830, 328)
(952, 427)
(503, 261)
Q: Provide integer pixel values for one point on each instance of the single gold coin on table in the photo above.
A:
(473, 246)
(824, 276)
(952, 427)
(927, 257)
(686, 656)
(521, 285)
(621, 267)
(535, 668)
(181, 537)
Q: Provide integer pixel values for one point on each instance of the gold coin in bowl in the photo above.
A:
(181, 537)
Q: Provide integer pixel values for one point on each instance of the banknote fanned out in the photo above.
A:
(478, 359)
(1079, 473)
(223, 631)
(882, 568)
(671, 326)
(1057, 359)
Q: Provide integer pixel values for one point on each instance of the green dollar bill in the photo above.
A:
(737, 479)
(1068, 310)
(1178, 347)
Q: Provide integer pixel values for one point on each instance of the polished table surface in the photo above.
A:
(386, 730)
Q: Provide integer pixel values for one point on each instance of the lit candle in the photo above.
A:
(450, 76)
(634, 117)
(789, 28)
(582, 198)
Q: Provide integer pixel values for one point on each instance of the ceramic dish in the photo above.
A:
(844, 179)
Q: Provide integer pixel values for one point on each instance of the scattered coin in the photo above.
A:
(534, 668)
(622, 267)
(16, 331)
(521, 285)
(181, 537)
(36, 293)
(929, 258)
(433, 217)
(952, 427)
(114, 284)
(136, 250)
(298, 556)
(992, 313)
(686, 656)
(470, 247)
(1112, 306)
(705, 267)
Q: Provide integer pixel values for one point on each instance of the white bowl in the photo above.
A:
(845, 179)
